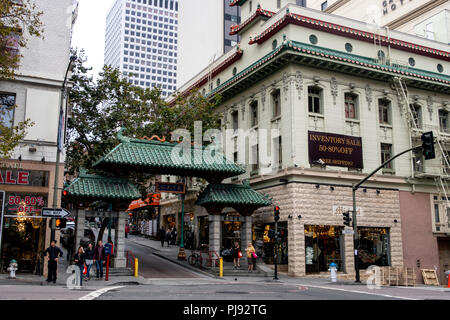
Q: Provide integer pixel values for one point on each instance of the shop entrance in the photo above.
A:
(231, 233)
(373, 247)
(24, 241)
(323, 245)
(203, 231)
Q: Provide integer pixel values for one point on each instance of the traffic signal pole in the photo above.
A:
(354, 188)
(275, 276)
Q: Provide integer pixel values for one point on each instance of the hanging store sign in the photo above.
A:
(170, 187)
(339, 210)
(335, 150)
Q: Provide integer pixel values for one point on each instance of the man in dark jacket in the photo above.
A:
(54, 253)
(162, 236)
(99, 258)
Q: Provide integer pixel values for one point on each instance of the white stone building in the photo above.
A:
(28, 177)
(304, 72)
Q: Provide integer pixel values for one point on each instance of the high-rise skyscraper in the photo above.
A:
(202, 38)
(142, 41)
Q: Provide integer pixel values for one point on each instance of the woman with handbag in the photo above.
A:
(237, 255)
(251, 256)
(79, 261)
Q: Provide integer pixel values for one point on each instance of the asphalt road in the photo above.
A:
(151, 266)
(233, 292)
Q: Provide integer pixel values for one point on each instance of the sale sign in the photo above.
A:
(14, 177)
(24, 204)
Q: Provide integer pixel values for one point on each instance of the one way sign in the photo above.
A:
(54, 212)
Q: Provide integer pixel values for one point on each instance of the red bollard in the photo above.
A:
(107, 268)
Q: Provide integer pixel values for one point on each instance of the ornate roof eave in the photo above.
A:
(259, 14)
(204, 79)
(295, 52)
(300, 20)
(237, 2)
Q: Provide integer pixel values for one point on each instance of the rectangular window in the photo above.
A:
(350, 106)
(235, 118)
(276, 101)
(443, 121)
(254, 113)
(416, 111)
(324, 5)
(386, 154)
(314, 100)
(7, 102)
(255, 159)
(384, 107)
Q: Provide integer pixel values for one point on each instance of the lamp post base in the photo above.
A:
(181, 254)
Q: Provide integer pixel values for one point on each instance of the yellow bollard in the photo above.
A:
(136, 267)
(221, 267)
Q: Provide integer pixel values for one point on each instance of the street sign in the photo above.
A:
(170, 187)
(54, 212)
(348, 231)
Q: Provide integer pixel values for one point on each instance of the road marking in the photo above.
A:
(355, 291)
(98, 293)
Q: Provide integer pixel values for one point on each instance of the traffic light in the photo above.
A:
(276, 213)
(60, 223)
(271, 234)
(347, 218)
(428, 145)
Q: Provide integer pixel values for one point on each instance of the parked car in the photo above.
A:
(89, 236)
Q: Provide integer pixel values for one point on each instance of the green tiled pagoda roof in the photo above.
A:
(232, 195)
(100, 187)
(158, 158)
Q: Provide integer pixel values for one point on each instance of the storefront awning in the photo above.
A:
(151, 200)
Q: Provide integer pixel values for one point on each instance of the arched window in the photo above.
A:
(253, 113)
(234, 71)
(315, 99)
(351, 105)
(218, 82)
(274, 44)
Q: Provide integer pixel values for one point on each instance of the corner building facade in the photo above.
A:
(299, 72)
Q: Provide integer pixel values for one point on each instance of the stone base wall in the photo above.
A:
(315, 206)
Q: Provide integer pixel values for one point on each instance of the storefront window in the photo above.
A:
(373, 247)
(323, 245)
(24, 234)
(265, 247)
(231, 233)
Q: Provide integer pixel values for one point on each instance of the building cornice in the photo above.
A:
(259, 13)
(336, 5)
(414, 14)
(297, 52)
(300, 20)
(237, 2)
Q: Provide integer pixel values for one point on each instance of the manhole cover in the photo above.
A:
(232, 292)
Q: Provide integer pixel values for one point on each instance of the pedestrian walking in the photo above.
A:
(79, 260)
(168, 237)
(237, 255)
(250, 256)
(70, 246)
(127, 230)
(89, 257)
(54, 253)
(162, 236)
(173, 236)
(99, 258)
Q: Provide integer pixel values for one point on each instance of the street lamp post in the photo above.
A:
(59, 144)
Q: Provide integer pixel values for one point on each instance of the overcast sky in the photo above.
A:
(89, 30)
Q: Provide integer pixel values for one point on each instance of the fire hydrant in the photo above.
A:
(333, 271)
(12, 269)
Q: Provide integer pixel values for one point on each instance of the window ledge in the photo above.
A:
(388, 171)
(254, 173)
(276, 118)
(385, 125)
(318, 115)
(353, 120)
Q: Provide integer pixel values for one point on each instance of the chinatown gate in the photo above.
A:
(159, 157)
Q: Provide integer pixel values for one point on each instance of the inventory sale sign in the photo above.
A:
(335, 150)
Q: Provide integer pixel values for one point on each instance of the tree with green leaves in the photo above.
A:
(19, 20)
(100, 108)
